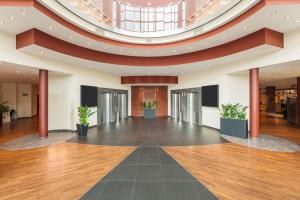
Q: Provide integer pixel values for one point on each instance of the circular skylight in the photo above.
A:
(152, 21)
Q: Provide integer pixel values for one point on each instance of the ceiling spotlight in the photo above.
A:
(297, 21)
(245, 28)
(1, 22)
(12, 18)
(274, 13)
(89, 44)
(23, 13)
(287, 17)
(50, 27)
(71, 37)
(175, 50)
(149, 3)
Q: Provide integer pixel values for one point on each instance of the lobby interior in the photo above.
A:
(158, 76)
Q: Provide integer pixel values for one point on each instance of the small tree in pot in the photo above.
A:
(149, 109)
(84, 113)
(3, 109)
(234, 120)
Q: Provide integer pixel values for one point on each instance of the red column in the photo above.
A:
(254, 103)
(43, 103)
(298, 101)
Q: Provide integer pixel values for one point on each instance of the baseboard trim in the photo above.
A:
(61, 130)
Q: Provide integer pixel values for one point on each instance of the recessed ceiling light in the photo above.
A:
(149, 3)
(175, 50)
(50, 27)
(245, 28)
(297, 21)
(287, 17)
(12, 18)
(23, 13)
(1, 22)
(89, 44)
(71, 37)
(274, 13)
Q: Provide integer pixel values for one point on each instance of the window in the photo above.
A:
(148, 19)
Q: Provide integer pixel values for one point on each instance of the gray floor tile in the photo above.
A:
(175, 172)
(203, 192)
(122, 173)
(149, 158)
(132, 159)
(149, 173)
(117, 190)
(149, 191)
(94, 192)
(180, 190)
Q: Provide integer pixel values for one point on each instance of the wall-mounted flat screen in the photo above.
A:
(210, 96)
(88, 96)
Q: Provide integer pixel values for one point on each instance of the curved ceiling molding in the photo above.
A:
(183, 41)
(258, 38)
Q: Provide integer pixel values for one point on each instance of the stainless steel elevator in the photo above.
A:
(112, 106)
(186, 105)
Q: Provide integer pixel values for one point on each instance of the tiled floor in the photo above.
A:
(152, 132)
(149, 173)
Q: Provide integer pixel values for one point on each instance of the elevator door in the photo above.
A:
(103, 108)
(122, 106)
(113, 108)
(175, 106)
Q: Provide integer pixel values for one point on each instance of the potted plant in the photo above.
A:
(149, 108)
(3, 109)
(84, 114)
(234, 120)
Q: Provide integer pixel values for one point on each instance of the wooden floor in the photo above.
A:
(62, 171)
(22, 127)
(279, 127)
(234, 172)
(230, 171)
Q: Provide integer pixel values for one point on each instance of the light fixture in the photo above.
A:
(245, 28)
(12, 18)
(71, 37)
(2, 22)
(50, 27)
(274, 13)
(287, 17)
(89, 44)
(149, 3)
(297, 21)
(23, 13)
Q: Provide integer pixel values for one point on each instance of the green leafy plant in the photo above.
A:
(84, 114)
(234, 111)
(4, 108)
(149, 104)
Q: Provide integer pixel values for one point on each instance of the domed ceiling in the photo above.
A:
(152, 21)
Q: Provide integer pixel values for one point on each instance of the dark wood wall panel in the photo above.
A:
(149, 93)
(149, 79)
